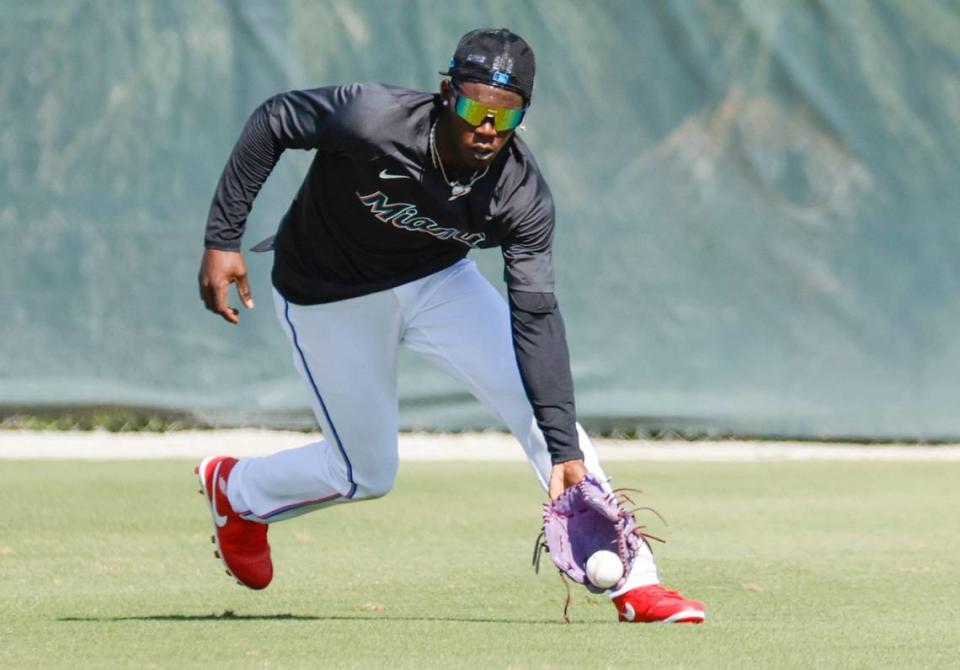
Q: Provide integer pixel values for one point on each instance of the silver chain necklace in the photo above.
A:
(456, 188)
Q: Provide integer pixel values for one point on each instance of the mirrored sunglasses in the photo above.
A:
(474, 113)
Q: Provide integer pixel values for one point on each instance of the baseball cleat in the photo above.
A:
(656, 604)
(241, 545)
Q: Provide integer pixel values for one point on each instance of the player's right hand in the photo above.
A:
(218, 270)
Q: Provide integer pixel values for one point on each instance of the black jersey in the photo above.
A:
(373, 213)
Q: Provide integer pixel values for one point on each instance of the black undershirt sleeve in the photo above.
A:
(294, 120)
(253, 158)
(540, 342)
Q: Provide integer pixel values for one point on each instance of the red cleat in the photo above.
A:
(655, 604)
(242, 545)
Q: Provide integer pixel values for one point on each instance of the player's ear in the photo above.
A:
(445, 92)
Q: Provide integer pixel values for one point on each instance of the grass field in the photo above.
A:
(801, 565)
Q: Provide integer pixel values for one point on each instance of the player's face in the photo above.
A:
(475, 146)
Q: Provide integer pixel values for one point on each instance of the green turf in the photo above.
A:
(802, 565)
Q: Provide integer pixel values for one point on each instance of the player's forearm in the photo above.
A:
(249, 165)
(540, 343)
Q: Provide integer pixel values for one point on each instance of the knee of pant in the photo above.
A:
(375, 489)
(378, 484)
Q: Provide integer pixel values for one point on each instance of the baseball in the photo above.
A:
(604, 569)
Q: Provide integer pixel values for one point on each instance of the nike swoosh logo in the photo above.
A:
(218, 519)
(386, 175)
(628, 612)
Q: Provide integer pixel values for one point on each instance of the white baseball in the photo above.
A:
(604, 569)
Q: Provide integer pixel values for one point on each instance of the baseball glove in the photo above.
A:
(584, 519)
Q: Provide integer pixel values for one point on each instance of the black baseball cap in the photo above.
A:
(496, 57)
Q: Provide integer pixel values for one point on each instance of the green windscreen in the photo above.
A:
(758, 203)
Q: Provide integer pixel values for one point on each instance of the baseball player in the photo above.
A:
(372, 255)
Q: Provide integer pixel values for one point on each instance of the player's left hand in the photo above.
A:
(565, 475)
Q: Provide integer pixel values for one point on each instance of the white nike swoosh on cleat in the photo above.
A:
(628, 612)
(386, 175)
(218, 519)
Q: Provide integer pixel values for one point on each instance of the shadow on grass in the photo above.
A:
(230, 616)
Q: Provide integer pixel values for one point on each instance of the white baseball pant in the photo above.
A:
(347, 353)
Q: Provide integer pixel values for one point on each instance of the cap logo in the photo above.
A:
(477, 58)
(501, 77)
(504, 63)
